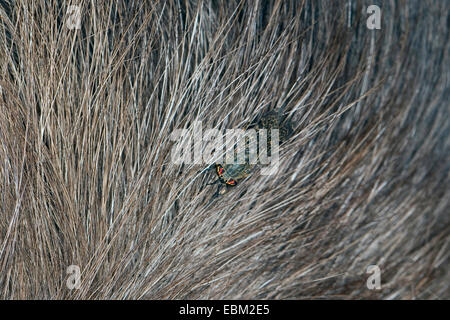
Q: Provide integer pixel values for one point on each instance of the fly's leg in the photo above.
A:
(211, 167)
(214, 196)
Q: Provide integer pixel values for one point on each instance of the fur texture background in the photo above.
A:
(85, 156)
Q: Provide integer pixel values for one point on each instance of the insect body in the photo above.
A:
(230, 174)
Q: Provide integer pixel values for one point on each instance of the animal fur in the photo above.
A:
(85, 156)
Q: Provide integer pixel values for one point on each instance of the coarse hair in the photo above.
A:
(86, 114)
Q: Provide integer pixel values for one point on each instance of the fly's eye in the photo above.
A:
(220, 170)
(231, 182)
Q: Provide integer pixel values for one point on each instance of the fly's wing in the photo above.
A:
(285, 131)
(266, 121)
(270, 120)
(273, 120)
(237, 171)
